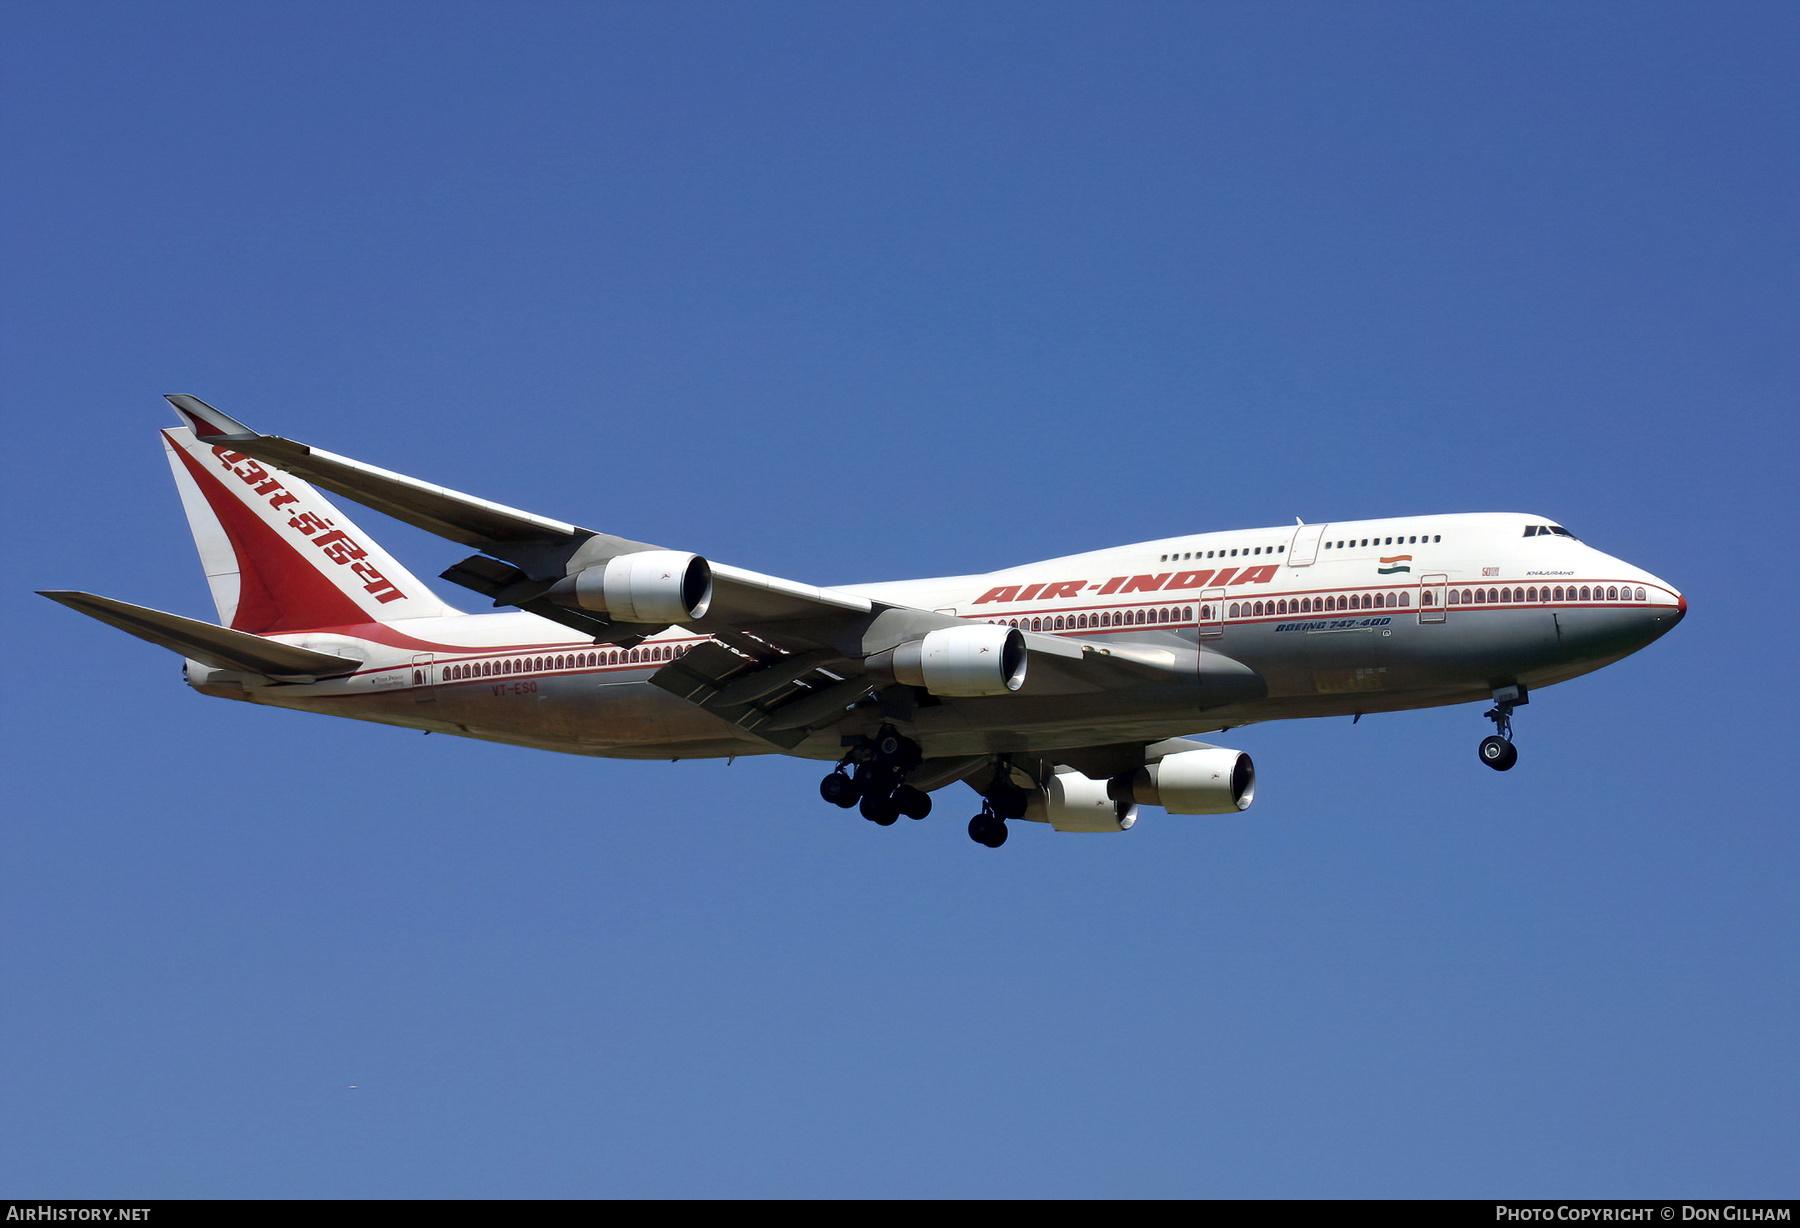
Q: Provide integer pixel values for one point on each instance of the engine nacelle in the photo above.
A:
(1074, 802)
(1210, 781)
(978, 659)
(650, 586)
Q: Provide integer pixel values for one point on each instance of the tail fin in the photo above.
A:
(278, 555)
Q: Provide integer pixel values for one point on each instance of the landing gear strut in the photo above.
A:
(881, 764)
(1003, 800)
(1497, 750)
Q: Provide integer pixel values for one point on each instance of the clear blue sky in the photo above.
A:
(858, 292)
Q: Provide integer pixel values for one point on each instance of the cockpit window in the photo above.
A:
(1545, 530)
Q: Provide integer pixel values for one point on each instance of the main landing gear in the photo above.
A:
(1497, 750)
(881, 764)
(1004, 800)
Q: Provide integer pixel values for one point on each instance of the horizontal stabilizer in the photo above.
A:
(219, 647)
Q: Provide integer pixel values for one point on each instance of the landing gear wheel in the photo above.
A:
(913, 803)
(840, 790)
(1497, 750)
(879, 809)
(987, 829)
(1498, 753)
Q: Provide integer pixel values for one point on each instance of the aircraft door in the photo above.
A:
(1212, 613)
(1432, 590)
(424, 680)
(1304, 549)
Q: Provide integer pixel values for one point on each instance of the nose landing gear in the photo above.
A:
(1497, 750)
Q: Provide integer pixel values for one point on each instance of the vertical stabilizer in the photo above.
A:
(278, 555)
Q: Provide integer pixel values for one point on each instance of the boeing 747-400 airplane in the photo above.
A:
(1063, 692)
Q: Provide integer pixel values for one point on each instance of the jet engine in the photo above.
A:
(1070, 801)
(978, 659)
(1210, 781)
(650, 586)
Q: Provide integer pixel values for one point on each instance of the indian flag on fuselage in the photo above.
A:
(1396, 563)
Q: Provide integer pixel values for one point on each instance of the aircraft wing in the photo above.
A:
(436, 509)
(788, 657)
(536, 550)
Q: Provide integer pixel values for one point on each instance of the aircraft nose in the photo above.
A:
(1663, 617)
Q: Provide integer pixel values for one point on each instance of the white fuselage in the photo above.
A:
(1337, 619)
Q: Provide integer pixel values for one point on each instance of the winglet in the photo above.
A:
(208, 423)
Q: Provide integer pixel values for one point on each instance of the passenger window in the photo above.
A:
(1233, 611)
(1640, 594)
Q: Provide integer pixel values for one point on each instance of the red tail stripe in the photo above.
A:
(280, 589)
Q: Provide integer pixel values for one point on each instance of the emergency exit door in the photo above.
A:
(1304, 549)
(1432, 590)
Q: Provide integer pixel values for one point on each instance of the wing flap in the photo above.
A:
(779, 699)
